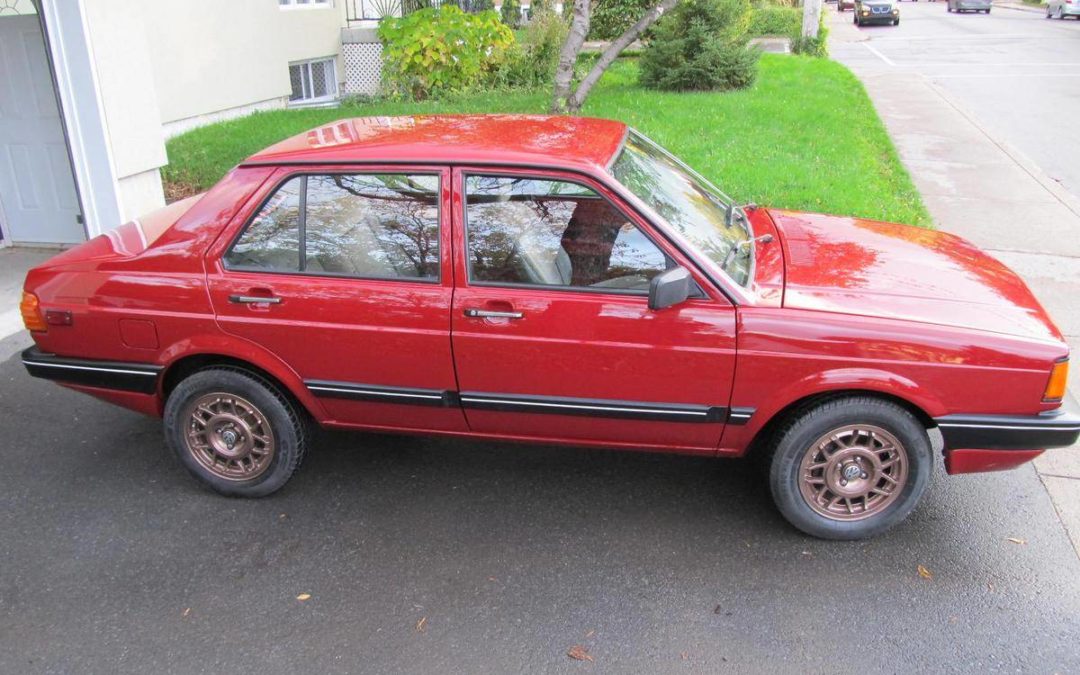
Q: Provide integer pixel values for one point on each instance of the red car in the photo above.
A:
(555, 280)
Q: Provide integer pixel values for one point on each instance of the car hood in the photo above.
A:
(869, 268)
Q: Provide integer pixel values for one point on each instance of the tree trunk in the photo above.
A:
(811, 18)
(577, 99)
(564, 73)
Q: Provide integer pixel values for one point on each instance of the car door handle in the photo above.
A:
(492, 314)
(254, 299)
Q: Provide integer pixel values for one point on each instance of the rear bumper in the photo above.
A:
(114, 375)
(1054, 429)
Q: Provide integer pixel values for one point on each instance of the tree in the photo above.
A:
(811, 19)
(568, 98)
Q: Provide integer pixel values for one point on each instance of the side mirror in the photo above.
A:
(669, 288)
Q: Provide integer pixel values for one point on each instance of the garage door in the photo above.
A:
(38, 202)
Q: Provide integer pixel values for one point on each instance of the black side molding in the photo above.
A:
(592, 407)
(119, 375)
(1052, 429)
(381, 394)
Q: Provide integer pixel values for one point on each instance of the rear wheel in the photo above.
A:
(850, 468)
(1060, 14)
(235, 432)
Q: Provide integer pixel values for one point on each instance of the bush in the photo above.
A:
(610, 18)
(441, 50)
(511, 13)
(701, 45)
(780, 20)
(532, 60)
(776, 20)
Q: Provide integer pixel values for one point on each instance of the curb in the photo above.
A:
(1019, 8)
(1067, 199)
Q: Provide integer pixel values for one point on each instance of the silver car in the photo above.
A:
(969, 6)
(1059, 9)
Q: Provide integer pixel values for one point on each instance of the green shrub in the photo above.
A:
(532, 60)
(780, 20)
(776, 20)
(610, 18)
(441, 50)
(701, 45)
(511, 13)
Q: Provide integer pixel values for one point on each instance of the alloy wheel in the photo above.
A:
(229, 436)
(853, 472)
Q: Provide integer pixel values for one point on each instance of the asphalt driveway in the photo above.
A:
(505, 556)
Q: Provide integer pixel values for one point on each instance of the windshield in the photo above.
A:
(703, 215)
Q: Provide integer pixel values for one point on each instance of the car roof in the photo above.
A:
(534, 140)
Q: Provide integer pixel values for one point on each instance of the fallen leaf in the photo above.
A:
(684, 656)
(717, 610)
(990, 586)
(1017, 541)
(186, 611)
(925, 573)
(420, 624)
(303, 596)
(590, 634)
(579, 653)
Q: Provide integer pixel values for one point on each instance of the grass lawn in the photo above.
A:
(804, 137)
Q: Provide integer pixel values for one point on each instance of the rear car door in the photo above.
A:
(552, 334)
(345, 275)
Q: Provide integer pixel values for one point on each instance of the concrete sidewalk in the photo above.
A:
(977, 186)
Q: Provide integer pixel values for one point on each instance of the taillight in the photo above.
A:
(31, 313)
(1059, 376)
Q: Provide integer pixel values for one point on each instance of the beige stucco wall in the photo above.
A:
(209, 56)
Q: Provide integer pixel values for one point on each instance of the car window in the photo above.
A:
(356, 225)
(272, 239)
(554, 233)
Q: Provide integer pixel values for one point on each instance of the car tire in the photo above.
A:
(235, 432)
(841, 439)
(896, 22)
(1060, 14)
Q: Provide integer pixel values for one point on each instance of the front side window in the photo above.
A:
(554, 233)
(702, 214)
(372, 226)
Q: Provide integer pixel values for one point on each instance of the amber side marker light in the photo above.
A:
(1059, 377)
(31, 313)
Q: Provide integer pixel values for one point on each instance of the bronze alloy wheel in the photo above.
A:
(228, 436)
(853, 472)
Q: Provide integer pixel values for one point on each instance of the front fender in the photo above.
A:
(767, 404)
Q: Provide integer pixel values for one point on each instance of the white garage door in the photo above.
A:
(38, 203)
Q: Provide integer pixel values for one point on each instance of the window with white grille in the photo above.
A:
(313, 81)
(290, 4)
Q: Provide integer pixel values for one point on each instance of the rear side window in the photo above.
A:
(554, 233)
(374, 226)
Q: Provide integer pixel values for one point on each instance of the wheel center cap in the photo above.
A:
(229, 436)
(851, 472)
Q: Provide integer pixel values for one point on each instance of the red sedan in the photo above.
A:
(554, 280)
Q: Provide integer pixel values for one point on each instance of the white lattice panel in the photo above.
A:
(363, 67)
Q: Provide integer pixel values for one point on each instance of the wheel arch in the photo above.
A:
(765, 432)
(183, 360)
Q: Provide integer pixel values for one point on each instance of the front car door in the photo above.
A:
(552, 334)
(346, 277)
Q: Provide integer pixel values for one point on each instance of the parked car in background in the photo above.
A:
(555, 280)
(843, 5)
(876, 12)
(1059, 9)
(969, 6)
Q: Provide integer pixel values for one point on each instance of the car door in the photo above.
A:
(346, 276)
(552, 334)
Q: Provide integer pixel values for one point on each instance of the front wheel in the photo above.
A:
(235, 432)
(896, 23)
(849, 468)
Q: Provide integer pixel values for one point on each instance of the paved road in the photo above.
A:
(113, 560)
(1018, 72)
